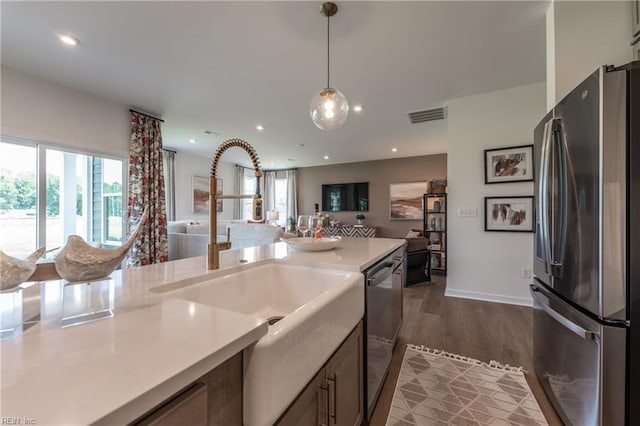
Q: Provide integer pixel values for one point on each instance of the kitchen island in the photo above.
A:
(113, 370)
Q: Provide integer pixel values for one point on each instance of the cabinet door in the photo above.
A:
(310, 408)
(345, 382)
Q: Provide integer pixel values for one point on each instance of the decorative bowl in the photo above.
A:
(313, 244)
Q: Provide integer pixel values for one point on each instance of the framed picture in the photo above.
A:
(502, 165)
(508, 214)
(201, 195)
(405, 200)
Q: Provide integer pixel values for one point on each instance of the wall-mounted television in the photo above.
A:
(345, 197)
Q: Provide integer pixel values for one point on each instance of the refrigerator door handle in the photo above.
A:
(569, 325)
(560, 224)
(543, 196)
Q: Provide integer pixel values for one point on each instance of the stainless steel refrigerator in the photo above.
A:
(586, 257)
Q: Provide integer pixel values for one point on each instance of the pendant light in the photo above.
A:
(329, 108)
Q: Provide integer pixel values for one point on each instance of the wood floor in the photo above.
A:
(482, 330)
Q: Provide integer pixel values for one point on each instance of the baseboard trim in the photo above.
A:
(487, 297)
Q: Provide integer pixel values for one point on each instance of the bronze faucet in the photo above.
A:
(214, 248)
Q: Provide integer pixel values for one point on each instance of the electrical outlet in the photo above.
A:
(526, 272)
(467, 212)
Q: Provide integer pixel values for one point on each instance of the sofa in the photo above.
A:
(190, 238)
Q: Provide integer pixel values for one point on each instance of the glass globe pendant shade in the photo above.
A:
(329, 109)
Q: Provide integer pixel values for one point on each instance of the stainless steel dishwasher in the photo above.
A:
(383, 307)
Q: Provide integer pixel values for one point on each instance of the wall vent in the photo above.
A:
(428, 115)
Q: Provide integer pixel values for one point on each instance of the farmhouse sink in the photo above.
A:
(311, 310)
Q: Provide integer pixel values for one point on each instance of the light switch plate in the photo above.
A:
(469, 212)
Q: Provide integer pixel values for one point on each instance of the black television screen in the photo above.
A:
(345, 197)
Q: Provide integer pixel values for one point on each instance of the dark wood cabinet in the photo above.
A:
(334, 397)
(215, 399)
(310, 408)
(345, 382)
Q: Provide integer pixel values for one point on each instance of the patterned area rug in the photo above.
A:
(439, 388)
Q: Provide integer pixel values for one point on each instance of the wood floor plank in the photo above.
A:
(482, 330)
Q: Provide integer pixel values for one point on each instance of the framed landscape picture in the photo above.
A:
(508, 214)
(514, 164)
(405, 200)
(201, 195)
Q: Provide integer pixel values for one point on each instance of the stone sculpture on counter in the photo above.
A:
(79, 261)
(14, 272)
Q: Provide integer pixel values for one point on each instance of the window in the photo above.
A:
(83, 195)
(249, 188)
(18, 222)
(281, 200)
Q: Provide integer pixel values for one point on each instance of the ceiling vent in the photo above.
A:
(428, 115)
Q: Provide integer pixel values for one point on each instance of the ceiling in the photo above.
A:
(228, 66)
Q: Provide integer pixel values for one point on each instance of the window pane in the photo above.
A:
(248, 187)
(112, 202)
(67, 197)
(18, 234)
(281, 200)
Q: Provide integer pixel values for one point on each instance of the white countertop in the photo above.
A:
(111, 370)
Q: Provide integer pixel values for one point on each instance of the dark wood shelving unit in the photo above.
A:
(434, 228)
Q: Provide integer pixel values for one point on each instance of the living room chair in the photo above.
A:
(417, 261)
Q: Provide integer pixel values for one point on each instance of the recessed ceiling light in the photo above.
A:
(357, 108)
(68, 39)
(394, 149)
(211, 132)
(193, 140)
(326, 157)
(260, 127)
(290, 159)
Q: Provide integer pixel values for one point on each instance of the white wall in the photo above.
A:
(581, 36)
(187, 166)
(488, 265)
(39, 109)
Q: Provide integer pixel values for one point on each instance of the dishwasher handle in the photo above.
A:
(379, 273)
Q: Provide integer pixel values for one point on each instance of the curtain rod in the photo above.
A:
(170, 150)
(146, 115)
(266, 170)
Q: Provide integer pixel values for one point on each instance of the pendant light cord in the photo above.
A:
(328, 44)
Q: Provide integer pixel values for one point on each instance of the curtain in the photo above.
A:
(238, 187)
(269, 193)
(169, 164)
(292, 193)
(146, 189)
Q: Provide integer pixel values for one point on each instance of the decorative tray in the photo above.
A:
(312, 244)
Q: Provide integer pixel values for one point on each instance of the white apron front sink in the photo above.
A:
(319, 308)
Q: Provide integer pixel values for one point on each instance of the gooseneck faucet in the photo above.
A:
(214, 248)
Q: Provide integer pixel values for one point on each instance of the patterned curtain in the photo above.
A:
(146, 189)
(169, 164)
